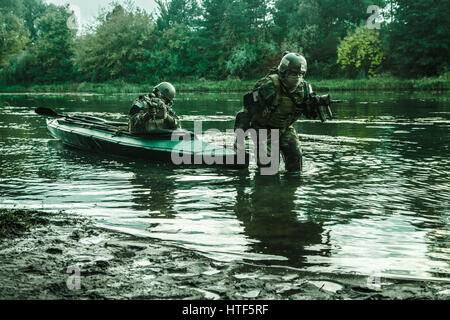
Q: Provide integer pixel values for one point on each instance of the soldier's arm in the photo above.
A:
(266, 94)
(137, 121)
(317, 106)
(165, 112)
(172, 121)
(258, 101)
(171, 112)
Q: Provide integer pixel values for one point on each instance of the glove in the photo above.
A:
(324, 100)
(310, 110)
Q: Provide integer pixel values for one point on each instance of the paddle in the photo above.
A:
(47, 112)
(50, 113)
(99, 122)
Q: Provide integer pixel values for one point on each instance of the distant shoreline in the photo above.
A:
(441, 83)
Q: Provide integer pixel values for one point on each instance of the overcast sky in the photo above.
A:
(87, 10)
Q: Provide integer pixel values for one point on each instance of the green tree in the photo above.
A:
(315, 27)
(234, 38)
(185, 12)
(174, 56)
(13, 36)
(12, 6)
(33, 10)
(210, 40)
(117, 46)
(243, 60)
(361, 52)
(54, 46)
(26, 10)
(419, 39)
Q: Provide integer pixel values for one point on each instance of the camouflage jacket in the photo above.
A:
(270, 105)
(151, 112)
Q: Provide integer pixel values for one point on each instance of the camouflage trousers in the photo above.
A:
(289, 148)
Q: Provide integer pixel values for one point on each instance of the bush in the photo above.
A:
(19, 69)
(361, 53)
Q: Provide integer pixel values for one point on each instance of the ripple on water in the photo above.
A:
(373, 197)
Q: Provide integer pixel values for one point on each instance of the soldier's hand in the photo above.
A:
(311, 109)
(152, 112)
(325, 100)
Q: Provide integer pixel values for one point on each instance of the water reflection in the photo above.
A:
(153, 191)
(373, 196)
(267, 207)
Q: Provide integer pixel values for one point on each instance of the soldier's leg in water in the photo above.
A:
(290, 148)
(264, 145)
(242, 121)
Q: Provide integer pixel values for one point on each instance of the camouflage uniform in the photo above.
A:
(151, 112)
(277, 101)
(271, 106)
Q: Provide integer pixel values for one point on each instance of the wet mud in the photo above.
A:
(41, 254)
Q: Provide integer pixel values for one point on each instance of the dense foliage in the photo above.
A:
(361, 52)
(13, 36)
(188, 40)
(419, 38)
(116, 47)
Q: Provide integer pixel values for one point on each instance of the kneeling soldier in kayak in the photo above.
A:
(154, 111)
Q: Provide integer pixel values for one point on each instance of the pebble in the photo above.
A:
(102, 264)
(251, 294)
(327, 286)
(290, 277)
(211, 272)
(54, 251)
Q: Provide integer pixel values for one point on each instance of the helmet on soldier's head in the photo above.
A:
(167, 91)
(292, 63)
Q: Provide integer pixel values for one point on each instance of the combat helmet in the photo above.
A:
(292, 63)
(166, 90)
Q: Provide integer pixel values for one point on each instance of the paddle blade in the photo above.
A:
(46, 112)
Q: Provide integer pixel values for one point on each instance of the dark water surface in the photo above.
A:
(373, 198)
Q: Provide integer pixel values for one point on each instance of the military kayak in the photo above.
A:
(179, 147)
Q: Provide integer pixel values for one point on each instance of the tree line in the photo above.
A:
(189, 40)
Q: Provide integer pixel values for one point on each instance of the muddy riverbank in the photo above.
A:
(41, 251)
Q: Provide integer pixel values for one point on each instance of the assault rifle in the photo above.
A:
(321, 106)
(318, 107)
(313, 107)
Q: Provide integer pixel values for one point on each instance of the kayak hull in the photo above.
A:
(178, 147)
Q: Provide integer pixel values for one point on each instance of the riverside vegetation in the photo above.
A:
(216, 45)
(441, 83)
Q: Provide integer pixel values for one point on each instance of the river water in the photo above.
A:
(373, 197)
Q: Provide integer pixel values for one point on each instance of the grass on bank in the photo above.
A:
(441, 83)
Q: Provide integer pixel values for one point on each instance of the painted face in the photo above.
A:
(292, 81)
